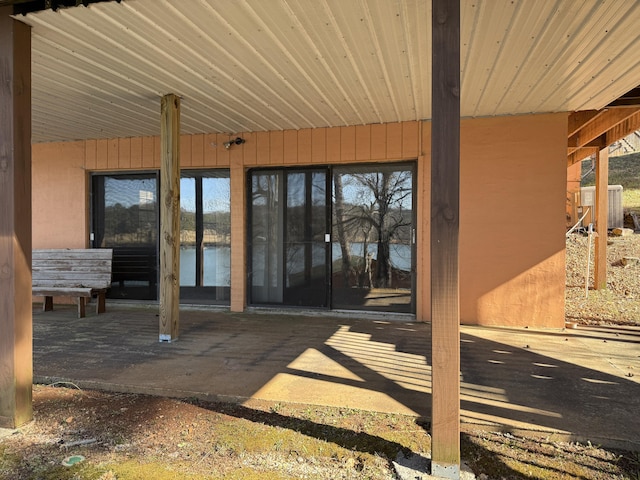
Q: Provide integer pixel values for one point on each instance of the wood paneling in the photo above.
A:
(136, 153)
(276, 148)
(394, 140)
(185, 151)
(319, 145)
(197, 150)
(124, 153)
(262, 148)
(378, 142)
(333, 145)
(148, 149)
(90, 151)
(304, 146)
(249, 149)
(347, 144)
(290, 147)
(210, 150)
(222, 153)
(410, 137)
(363, 142)
(113, 151)
(102, 161)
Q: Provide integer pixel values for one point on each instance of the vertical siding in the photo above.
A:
(136, 153)
(305, 146)
(363, 142)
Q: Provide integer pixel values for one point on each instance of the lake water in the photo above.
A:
(217, 261)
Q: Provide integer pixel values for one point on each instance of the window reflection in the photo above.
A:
(205, 236)
(372, 251)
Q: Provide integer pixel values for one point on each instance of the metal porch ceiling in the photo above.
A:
(249, 65)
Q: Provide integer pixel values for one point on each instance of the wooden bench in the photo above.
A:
(81, 273)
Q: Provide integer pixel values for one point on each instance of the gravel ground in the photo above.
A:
(620, 302)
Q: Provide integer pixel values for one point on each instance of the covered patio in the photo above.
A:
(219, 90)
(575, 385)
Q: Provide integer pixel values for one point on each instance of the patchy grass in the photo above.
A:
(140, 437)
(625, 171)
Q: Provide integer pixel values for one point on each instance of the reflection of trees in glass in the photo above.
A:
(372, 206)
(133, 225)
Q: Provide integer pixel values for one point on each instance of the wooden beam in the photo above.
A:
(170, 218)
(16, 331)
(578, 120)
(445, 219)
(602, 213)
(624, 128)
(580, 154)
(600, 125)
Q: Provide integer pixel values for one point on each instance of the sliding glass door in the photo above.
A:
(373, 238)
(126, 218)
(343, 240)
(289, 237)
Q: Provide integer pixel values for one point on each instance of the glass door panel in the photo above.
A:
(267, 244)
(188, 246)
(205, 237)
(372, 246)
(305, 248)
(125, 218)
(287, 244)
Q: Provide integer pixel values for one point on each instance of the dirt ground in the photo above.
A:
(125, 436)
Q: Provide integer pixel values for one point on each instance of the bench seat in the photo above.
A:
(78, 273)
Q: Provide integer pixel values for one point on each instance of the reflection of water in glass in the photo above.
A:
(217, 266)
(399, 253)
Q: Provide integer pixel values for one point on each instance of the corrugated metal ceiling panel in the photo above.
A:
(251, 65)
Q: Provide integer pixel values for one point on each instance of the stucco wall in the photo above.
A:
(513, 190)
(512, 247)
(59, 188)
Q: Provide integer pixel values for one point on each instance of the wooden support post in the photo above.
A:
(602, 214)
(445, 219)
(170, 218)
(16, 334)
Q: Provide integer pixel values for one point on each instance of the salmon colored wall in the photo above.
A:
(59, 188)
(512, 183)
(512, 246)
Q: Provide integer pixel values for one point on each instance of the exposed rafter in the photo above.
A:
(592, 130)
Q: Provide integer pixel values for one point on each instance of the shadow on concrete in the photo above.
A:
(576, 383)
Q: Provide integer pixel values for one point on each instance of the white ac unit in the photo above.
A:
(615, 216)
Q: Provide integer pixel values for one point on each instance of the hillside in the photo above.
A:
(625, 171)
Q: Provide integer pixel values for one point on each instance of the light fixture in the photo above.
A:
(235, 141)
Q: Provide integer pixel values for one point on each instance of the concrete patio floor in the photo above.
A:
(581, 384)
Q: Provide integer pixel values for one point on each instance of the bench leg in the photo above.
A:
(101, 304)
(81, 307)
(47, 305)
